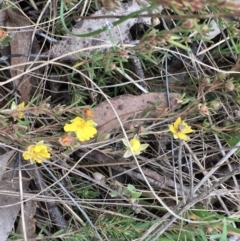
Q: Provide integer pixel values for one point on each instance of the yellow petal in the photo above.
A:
(183, 137)
(177, 123)
(86, 133)
(39, 147)
(37, 159)
(172, 129)
(187, 130)
(85, 130)
(183, 123)
(89, 123)
(45, 154)
(78, 121)
(92, 131)
(37, 153)
(70, 127)
(82, 136)
(20, 115)
(26, 155)
(21, 106)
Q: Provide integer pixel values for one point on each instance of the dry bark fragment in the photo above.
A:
(20, 44)
(132, 110)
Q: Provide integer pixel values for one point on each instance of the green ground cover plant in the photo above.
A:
(119, 120)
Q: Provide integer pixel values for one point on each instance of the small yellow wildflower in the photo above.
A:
(18, 114)
(136, 146)
(180, 129)
(37, 153)
(84, 129)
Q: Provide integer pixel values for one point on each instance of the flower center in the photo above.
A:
(81, 124)
(181, 127)
(135, 144)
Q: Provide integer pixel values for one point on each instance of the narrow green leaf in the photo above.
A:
(224, 232)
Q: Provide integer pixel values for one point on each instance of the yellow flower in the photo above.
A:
(136, 146)
(20, 113)
(37, 153)
(84, 129)
(180, 129)
(17, 113)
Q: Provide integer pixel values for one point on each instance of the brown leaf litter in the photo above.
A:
(131, 110)
(20, 44)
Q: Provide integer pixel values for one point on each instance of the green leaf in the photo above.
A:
(131, 188)
(224, 232)
(237, 99)
(203, 235)
(233, 229)
(136, 195)
(113, 193)
(126, 192)
(232, 140)
(6, 41)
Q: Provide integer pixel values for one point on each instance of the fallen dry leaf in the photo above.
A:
(54, 212)
(9, 184)
(4, 160)
(20, 44)
(132, 110)
(114, 36)
(30, 226)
